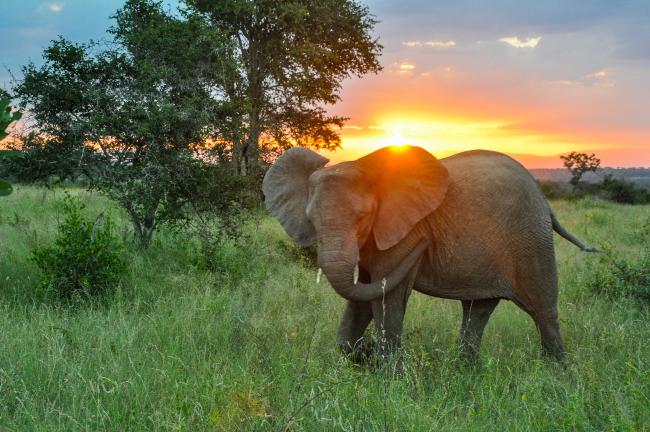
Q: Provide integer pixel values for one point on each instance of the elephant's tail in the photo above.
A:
(567, 235)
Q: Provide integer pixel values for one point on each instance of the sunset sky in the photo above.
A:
(530, 78)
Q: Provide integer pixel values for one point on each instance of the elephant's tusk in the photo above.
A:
(356, 274)
(318, 275)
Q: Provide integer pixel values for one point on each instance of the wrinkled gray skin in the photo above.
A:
(473, 227)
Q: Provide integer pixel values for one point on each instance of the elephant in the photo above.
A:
(474, 227)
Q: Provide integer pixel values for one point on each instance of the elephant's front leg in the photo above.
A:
(356, 317)
(388, 312)
(476, 314)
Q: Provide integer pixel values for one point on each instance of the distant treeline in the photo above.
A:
(611, 188)
(640, 176)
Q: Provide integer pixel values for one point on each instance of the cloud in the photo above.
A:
(406, 67)
(600, 79)
(594, 79)
(565, 82)
(514, 41)
(431, 43)
(52, 7)
(601, 74)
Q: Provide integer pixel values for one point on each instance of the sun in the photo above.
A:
(397, 141)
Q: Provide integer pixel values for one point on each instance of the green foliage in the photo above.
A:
(223, 204)
(625, 192)
(6, 115)
(620, 277)
(180, 190)
(86, 259)
(5, 188)
(578, 164)
(6, 118)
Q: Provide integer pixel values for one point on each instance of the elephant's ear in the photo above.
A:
(410, 184)
(286, 191)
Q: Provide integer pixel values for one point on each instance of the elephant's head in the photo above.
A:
(379, 197)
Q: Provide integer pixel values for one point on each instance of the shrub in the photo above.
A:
(554, 190)
(620, 277)
(86, 259)
(622, 191)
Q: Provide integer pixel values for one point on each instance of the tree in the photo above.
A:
(138, 105)
(578, 164)
(291, 57)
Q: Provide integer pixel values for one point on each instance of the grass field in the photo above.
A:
(251, 345)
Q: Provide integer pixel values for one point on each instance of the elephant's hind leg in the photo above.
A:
(548, 325)
(549, 330)
(538, 288)
(476, 314)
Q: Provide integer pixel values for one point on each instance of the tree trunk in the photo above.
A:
(142, 230)
(250, 160)
(251, 157)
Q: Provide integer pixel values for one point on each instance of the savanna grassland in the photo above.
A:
(249, 344)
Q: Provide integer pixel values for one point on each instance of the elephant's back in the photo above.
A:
(484, 174)
(494, 219)
(486, 166)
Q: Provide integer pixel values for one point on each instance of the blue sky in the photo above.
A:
(27, 27)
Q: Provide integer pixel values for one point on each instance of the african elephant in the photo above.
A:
(474, 227)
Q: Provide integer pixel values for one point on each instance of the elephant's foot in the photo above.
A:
(468, 350)
(549, 330)
(552, 346)
(360, 352)
(370, 353)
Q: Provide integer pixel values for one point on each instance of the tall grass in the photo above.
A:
(250, 345)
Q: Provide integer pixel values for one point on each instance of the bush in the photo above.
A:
(620, 277)
(554, 190)
(623, 191)
(86, 259)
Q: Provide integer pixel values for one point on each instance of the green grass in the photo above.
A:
(251, 347)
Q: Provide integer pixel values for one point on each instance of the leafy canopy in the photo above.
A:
(291, 58)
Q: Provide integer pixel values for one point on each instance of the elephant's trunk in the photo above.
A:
(339, 259)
